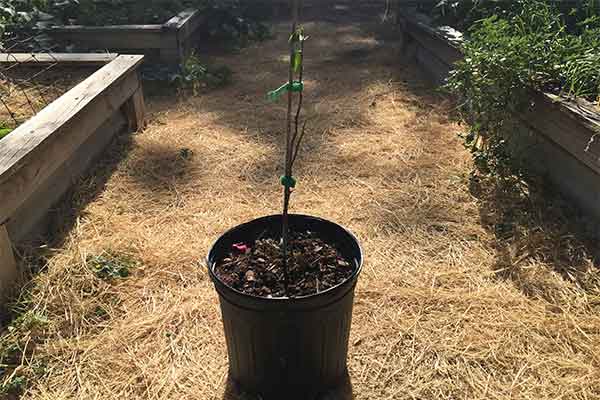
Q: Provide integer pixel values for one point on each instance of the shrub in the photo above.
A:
(230, 19)
(21, 13)
(462, 14)
(505, 60)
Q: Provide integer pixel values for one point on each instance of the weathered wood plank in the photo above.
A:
(572, 126)
(171, 38)
(135, 109)
(437, 69)
(181, 19)
(186, 23)
(151, 28)
(110, 38)
(62, 58)
(574, 179)
(31, 220)
(32, 152)
(8, 265)
(443, 42)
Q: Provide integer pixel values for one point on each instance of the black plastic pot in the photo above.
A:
(287, 348)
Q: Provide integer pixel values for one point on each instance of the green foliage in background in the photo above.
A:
(226, 19)
(462, 14)
(506, 59)
(233, 22)
(21, 13)
(195, 75)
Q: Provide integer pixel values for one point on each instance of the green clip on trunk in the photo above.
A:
(277, 93)
(288, 181)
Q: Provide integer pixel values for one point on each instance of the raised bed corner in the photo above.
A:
(567, 131)
(169, 43)
(40, 160)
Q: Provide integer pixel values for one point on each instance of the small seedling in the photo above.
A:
(13, 386)
(107, 266)
(196, 75)
(29, 321)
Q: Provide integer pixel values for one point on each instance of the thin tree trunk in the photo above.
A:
(288, 154)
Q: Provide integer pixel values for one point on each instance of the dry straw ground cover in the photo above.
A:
(466, 293)
(26, 90)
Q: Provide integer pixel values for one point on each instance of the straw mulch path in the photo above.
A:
(446, 308)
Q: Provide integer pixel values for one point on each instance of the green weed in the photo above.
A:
(195, 75)
(108, 266)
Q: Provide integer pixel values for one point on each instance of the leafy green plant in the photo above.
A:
(232, 20)
(13, 385)
(16, 343)
(506, 59)
(4, 130)
(19, 13)
(196, 76)
(462, 14)
(109, 266)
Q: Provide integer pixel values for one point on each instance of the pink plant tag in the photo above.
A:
(241, 247)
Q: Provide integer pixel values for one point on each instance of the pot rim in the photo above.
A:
(351, 281)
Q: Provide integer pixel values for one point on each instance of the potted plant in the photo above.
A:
(286, 282)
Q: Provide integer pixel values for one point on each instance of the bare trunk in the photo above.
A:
(288, 154)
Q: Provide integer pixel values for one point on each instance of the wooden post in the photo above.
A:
(135, 109)
(8, 265)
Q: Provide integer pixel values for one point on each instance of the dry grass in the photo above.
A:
(437, 314)
(25, 91)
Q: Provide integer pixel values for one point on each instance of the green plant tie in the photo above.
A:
(288, 181)
(296, 87)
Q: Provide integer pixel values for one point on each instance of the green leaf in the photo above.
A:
(4, 132)
(297, 61)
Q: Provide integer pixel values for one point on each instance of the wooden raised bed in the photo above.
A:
(75, 59)
(40, 160)
(567, 132)
(170, 42)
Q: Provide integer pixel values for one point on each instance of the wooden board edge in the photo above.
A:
(66, 140)
(450, 36)
(35, 217)
(102, 29)
(85, 59)
(72, 101)
(8, 265)
(579, 109)
(182, 18)
(135, 109)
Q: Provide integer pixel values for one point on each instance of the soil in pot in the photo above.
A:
(256, 268)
